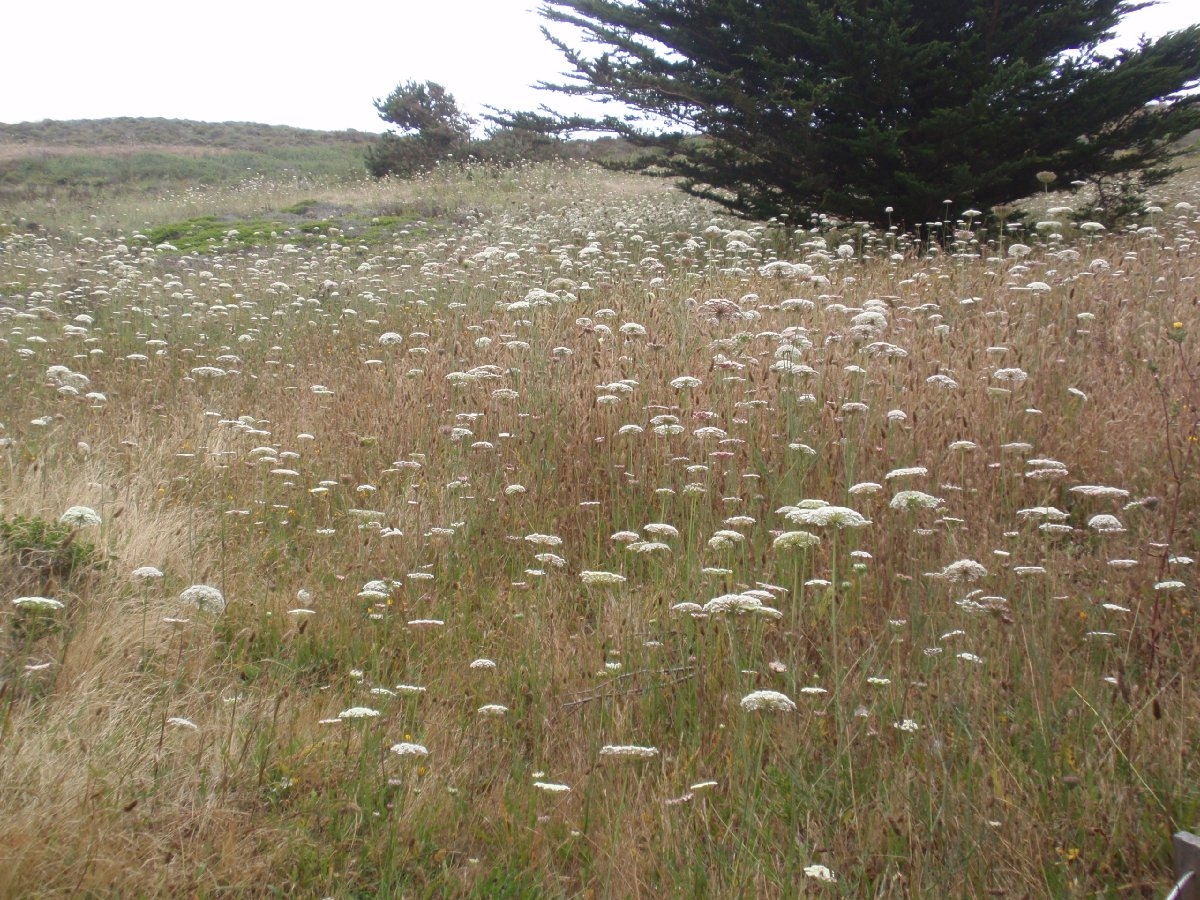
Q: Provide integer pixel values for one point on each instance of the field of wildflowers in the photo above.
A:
(543, 532)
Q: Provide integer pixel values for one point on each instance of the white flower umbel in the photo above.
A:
(601, 578)
(795, 540)
(80, 517)
(405, 748)
(1043, 512)
(38, 604)
(204, 597)
(910, 501)
(359, 712)
(1100, 491)
(827, 516)
(961, 570)
(1105, 524)
(628, 751)
(768, 700)
(820, 873)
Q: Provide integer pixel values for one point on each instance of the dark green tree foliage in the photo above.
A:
(847, 107)
(431, 127)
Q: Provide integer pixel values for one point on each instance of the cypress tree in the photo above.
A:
(847, 107)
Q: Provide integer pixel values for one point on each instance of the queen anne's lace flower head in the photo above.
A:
(628, 751)
(768, 700)
(80, 517)
(38, 604)
(407, 748)
(205, 597)
(961, 570)
(795, 540)
(828, 516)
(914, 500)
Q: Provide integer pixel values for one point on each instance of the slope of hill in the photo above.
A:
(78, 157)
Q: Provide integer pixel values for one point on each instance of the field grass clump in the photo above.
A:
(572, 538)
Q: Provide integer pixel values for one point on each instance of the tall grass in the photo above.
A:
(408, 454)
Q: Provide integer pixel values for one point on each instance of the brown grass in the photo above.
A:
(1030, 774)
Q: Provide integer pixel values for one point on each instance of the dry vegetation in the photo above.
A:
(526, 476)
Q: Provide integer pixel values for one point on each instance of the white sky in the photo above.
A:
(292, 63)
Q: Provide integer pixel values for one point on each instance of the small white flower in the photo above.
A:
(909, 472)
(769, 700)
(601, 578)
(821, 873)
(80, 517)
(1100, 491)
(205, 597)
(551, 788)
(408, 749)
(648, 547)
(1043, 512)
(824, 516)
(865, 487)
(910, 501)
(41, 604)
(358, 712)
(961, 570)
(628, 750)
(795, 540)
(494, 710)
(661, 529)
(1105, 524)
(146, 572)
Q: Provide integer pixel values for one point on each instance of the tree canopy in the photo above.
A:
(430, 126)
(849, 107)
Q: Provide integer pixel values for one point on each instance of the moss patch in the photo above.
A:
(207, 233)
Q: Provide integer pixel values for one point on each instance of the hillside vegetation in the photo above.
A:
(540, 531)
(75, 160)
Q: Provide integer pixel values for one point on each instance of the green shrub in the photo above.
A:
(51, 549)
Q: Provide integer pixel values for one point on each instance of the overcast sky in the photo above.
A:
(290, 63)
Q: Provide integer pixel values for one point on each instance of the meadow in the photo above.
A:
(541, 531)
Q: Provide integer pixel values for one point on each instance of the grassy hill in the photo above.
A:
(75, 159)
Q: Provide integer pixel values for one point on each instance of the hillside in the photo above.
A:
(39, 160)
(126, 131)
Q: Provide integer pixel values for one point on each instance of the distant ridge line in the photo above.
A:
(172, 132)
